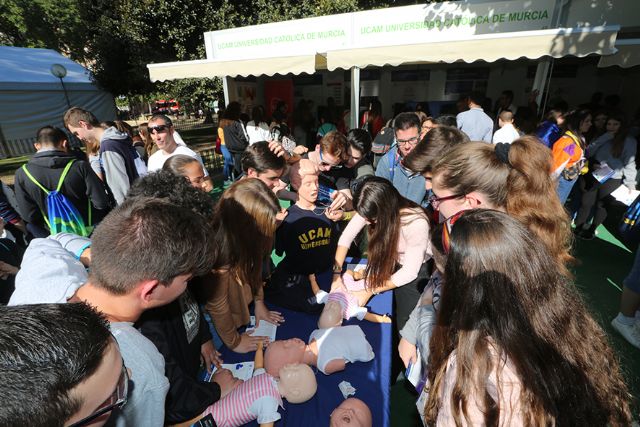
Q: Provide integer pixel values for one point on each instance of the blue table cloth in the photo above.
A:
(371, 379)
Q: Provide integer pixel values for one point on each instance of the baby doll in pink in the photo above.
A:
(260, 397)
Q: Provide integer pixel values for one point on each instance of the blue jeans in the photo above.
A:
(564, 188)
(228, 163)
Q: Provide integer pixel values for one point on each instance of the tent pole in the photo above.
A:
(225, 89)
(355, 98)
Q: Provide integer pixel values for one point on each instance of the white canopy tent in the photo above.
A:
(32, 97)
(447, 32)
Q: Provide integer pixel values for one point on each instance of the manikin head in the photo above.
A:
(297, 383)
(281, 353)
(306, 180)
(331, 315)
(351, 413)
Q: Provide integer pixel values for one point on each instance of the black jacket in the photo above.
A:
(80, 185)
(169, 327)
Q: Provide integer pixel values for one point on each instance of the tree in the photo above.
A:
(116, 39)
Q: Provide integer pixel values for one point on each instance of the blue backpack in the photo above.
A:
(61, 215)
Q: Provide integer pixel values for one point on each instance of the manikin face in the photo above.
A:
(331, 315)
(98, 390)
(281, 353)
(351, 413)
(162, 135)
(308, 190)
(407, 140)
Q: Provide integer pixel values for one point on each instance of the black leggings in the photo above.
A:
(406, 296)
(595, 194)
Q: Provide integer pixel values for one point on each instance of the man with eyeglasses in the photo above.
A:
(141, 256)
(120, 163)
(411, 185)
(59, 365)
(161, 131)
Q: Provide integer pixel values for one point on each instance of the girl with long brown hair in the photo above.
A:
(398, 248)
(244, 226)
(514, 343)
(513, 178)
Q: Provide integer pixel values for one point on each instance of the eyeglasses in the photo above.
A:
(325, 164)
(117, 399)
(446, 230)
(410, 141)
(435, 200)
(159, 128)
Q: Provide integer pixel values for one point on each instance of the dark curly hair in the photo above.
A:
(176, 189)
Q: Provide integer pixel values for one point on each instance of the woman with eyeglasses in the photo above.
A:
(513, 178)
(398, 247)
(514, 343)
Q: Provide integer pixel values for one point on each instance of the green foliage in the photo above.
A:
(117, 38)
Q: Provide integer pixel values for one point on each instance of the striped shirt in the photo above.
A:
(255, 399)
(349, 304)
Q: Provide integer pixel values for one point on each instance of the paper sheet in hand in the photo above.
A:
(265, 329)
(623, 195)
(242, 371)
(603, 173)
(414, 371)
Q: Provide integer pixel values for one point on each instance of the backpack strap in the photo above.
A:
(32, 179)
(64, 174)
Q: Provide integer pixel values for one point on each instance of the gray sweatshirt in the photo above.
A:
(51, 273)
(624, 166)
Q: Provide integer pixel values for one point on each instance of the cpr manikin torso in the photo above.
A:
(328, 349)
(260, 397)
(341, 304)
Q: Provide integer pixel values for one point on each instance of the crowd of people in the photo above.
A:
(124, 277)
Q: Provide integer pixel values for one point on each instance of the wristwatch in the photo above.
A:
(337, 269)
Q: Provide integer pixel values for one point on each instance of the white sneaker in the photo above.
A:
(630, 333)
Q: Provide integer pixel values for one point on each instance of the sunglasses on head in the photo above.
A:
(159, 128)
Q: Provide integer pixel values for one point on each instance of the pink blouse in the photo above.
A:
(414, 247)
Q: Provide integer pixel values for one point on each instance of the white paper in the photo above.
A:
(623, 195)
(242, 371)
(264, 329)
(347, 389)
(414, 371)
(603, 173)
